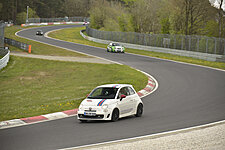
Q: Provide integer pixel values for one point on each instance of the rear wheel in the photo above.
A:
(139, 110)
(115, 115)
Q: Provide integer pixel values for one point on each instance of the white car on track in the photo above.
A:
(116, 48)
(110, 102)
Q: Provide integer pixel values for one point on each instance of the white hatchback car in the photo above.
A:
(115, 48)
(110, 102)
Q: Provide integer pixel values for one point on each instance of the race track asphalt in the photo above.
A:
(187, 96)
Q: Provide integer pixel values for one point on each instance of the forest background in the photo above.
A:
(187, 17)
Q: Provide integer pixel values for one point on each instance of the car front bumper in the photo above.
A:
(119, 50)
(94, 114)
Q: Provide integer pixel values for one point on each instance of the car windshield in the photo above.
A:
(116, 44)
(103, 93)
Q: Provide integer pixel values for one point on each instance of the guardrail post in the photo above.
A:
(215, 45)
(182, 42)
(223, 47)
(174, 42)
(197, 44)
(189, 43)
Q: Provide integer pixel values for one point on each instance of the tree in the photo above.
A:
(165, 25)
(110, 16)
(77, 7)
(220, 15)
(189, 16)
(21, 17)
(145, 16)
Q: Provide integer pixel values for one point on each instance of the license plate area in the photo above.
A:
(89, 114)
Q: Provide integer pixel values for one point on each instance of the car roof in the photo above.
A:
(115, 85)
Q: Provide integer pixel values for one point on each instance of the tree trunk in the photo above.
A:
(220, 12)
(187, 16)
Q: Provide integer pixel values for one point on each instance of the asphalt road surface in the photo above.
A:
(187, 96)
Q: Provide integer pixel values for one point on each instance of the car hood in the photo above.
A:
(118, 46)
(97, 102)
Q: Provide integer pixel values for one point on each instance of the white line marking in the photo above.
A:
(179, 62)
(149, 136)
(64, 48)
(157, 134)
(46, 35)
(57, 115)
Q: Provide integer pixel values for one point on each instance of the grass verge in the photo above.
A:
(73, 35)
(31, 87)
(38, 48)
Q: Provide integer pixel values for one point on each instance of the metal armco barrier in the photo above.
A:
(5, 59)
(18, 44)
(192, 43)
(65, 19)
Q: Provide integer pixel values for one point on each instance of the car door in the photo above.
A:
(125, 105)
(133, 98)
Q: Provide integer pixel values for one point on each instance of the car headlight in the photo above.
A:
(105, 107)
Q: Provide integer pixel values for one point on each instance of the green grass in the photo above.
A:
(73, 35)
(38, 48)
(31, 87)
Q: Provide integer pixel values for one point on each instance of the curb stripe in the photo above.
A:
(151, 86)
(34, 119)
(71, 112)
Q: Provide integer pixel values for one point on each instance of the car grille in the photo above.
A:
(90, 110)
(91, 117)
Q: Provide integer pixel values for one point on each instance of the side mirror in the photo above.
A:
(122, 97)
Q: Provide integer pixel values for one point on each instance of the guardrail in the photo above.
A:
(51, 23)
(191, 43)
(18, 44)
(5, 59)
(198, 55)
(64, 19)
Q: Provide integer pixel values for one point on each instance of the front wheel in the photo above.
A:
(115, 115)
(139, 110)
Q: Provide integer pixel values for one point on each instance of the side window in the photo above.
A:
(131, 91)
(123, 91)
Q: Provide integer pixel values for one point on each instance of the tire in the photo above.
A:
(83, 121)
(115, 115)
(107, 50)
(139, 110)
